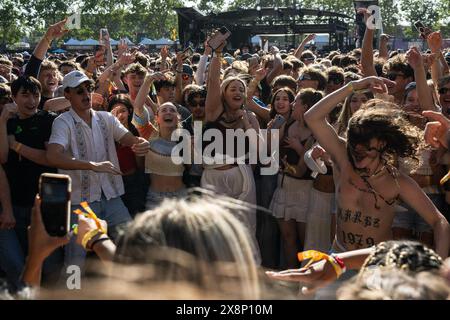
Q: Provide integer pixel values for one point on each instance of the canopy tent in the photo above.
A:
(59, 51)
(89, 42)
(161, 41)
(146, 41)
(72, 42)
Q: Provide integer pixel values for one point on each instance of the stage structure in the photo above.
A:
(193, 25)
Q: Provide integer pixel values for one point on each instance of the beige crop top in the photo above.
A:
(158, 159)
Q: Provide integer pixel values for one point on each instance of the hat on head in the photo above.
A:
(74, 78)
(245, 56)
(188, 69)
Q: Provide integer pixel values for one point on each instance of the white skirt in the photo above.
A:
(318, 222)
(291, 199)
(239, 183)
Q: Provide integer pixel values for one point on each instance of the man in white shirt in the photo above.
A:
(82, 145)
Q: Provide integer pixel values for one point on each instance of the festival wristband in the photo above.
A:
(315, 256)
(18, 147)
(445, 178)
(88, 236)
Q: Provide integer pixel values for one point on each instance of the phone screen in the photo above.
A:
(55, 204)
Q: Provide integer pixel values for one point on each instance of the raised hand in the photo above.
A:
(434, 41)
(437, 131)
(384, 38)
(9, 110)
(122, 48)
(208, 49)
(164, 53)
(260, 74)
(56, 30)
(414, 58)
(375, 84)
(309, 37)
(127, 58)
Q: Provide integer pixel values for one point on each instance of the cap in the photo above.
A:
(245, 56)
(229, 60)
(74, 79)
(188, 70)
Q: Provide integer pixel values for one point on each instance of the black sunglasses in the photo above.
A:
(392, 76)
(200, 104)
(335, 80)
(89, 89)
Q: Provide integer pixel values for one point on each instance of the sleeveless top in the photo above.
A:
(158, 159)
(292, 157)
(228, 139)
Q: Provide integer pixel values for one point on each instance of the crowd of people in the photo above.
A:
(362, 142)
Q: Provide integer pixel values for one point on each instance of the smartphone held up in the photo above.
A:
(54, 192)
(219, 37)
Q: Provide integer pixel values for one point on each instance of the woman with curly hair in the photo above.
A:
(368, 185)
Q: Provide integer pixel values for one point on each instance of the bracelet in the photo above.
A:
(336, 262)
(49, 42)
(18, 147)
(350, 86)
(88, 236)
(97, 241)
(338, 265)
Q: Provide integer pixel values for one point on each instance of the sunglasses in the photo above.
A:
(335, 80)
(81, 90)
(392, 76)
(185, 76)
(410, 86)
(200, 104)
(304, 77)
(443, 90)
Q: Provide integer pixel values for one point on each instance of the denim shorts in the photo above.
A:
(408, 218)
(154, 198)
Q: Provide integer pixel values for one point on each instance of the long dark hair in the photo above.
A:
(126, 101)
(290, 94)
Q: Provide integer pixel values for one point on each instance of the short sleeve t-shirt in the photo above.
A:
(23, 174)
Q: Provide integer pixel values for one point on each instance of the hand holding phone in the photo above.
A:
(54, 192)
(424, 31)
(219, 37)
(104, 36)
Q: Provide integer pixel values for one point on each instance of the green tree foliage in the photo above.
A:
(426, 11)
(11, 25)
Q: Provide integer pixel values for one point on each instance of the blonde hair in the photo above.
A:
(200, 240)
